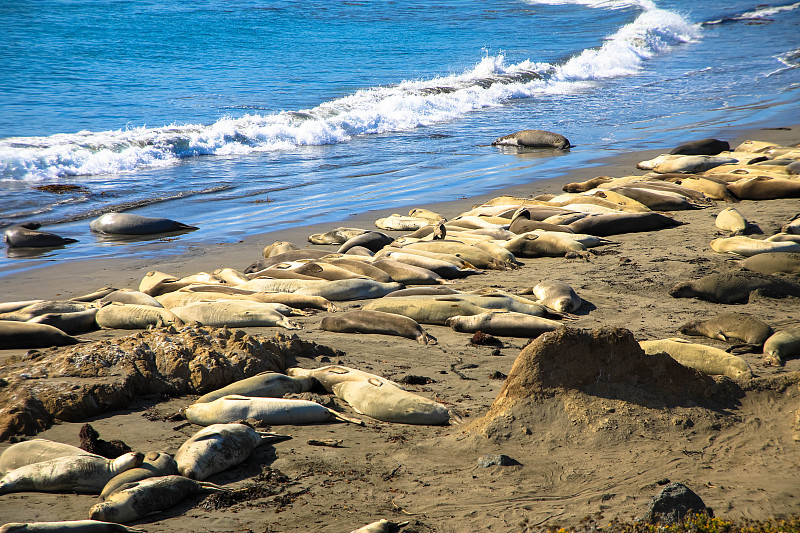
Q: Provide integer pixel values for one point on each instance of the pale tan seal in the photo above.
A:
(326, 271)
(336, 236)
(770, 263)
(692, 163)
(782, 345)
(122, 316)
(765, 188)
(377, 322)
(506, 324)
(350, 289)
(730, 327)
(155, 464)
(277, 247)
(443, 269)
(234, 314)
(138, 499)
(731, 220)
(792, 227)
(273, 411)
(706, 359)
(68, 526)
(408, 274)
(130, 297)
(15, 334)
(437, 309)
(542, 245)
(389, 403)
(266, 384)
(361, 268)
(747, 247)
(82, 473)
(330, 375)
(70, 323)
(380, 526)
(44, 307)
(557, 295)
(36, 451)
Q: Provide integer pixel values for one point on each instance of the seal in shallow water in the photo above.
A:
(24, 237)
(130, 224)
(534, 139)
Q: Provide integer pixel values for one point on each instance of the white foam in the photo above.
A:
(597, 4)
(376, 110)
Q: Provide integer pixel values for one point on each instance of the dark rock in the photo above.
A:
(496, 460)
(674, 502)
(481, 339)
(92, 443)
(415, 380)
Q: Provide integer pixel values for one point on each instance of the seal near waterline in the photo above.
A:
(730, 327)
(363, 321)
(218, 447)
(155, 464)
(387, 402)
(273, 411)
(557, 295)
(506, 324)
(68, 526)
(782, 345)
(82, 473)
(772, 262)
(286, 257)
(277, 247)
(130, 224)
(701, 147)
(733, 287)
(138, 499)
(706, 359)
(70, 323)
(15, 334)
(587, 185)
(534, 139)
(21, 236)
(263, 384)
(36, 451)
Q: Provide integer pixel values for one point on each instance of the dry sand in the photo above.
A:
(578, 455)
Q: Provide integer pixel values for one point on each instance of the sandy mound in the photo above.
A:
(76, 382)
(599, 380)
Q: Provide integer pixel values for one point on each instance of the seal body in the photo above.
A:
(155, 464)
(266, 384)
(701, 147)
(617, 223)
(747, 247)
(364, 321)
(557, 295)
(70, 323)
(505, 324)
(336, 236)
(534, 139)
(276, 411)
(139, 499)
(122, 316)
(36, 451)
(783, 345)
(371, 240)
(706, 359)
(14, 334)
(729, 327)
(772, 262)
(330, 375)
(22, 237)
(350, 289)
(386, 402)
(82, 473)
(233, 313)
(130, 224)
(731, 220)
(734, 287)
(69, 526)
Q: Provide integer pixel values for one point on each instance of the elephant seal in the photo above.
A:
(361, 268)
(731, 220)
(43, 307)
(506, 324)
(130, 297)
(702, 147)
(691, 164)
(130, 224)
(263, 384)
(330, 375)
(15, 334)
(397, 222)
(730, 327)
(711, 361)
(80, 473)
(95, 295)
(380, 526)
(68, 526)
(384, 401)
(21, 237)
(440, 267)
(350, 289)
(747, 247)
(587, 185)
(784, 237)
(285, 257)
(233, 314)
(141, 498)
(408, 274)
(793, 227)
(523, 225)
(10, 307)
(372, 241)
(557, 295)
(437, 309)
(782, 345)
(617, 223)
(155, 464)
(297, 301)
(534, 139)
(434, 290)
(324, 270)
(122, 316)
(273, 411)
(70, 323)
(276, 248)
(359, 250)
(378, 322)
(542, 245)
(439, 231)
(36, 451)
(793, 169)
(734, 287)
(658, 200)
(218, 447)
(771, 263)
(336, 236)
(765, 188)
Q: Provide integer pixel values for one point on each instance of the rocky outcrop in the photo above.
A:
(75, 382)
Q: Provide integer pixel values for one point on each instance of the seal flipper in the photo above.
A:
(269, 438)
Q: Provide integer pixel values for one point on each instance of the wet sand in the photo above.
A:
(590, 457)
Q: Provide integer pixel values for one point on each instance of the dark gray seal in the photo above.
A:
(534, 139)
(286, 257)
(734, 287)
(523, 225)
(376, 322)
(130, 224)
(702, 147)
(372, 241)
(27, 236)
(617, 223)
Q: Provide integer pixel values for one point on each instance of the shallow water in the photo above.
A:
(255, 117)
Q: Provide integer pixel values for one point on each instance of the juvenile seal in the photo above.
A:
(793, 227)
(266, 384)
(372, 241)
(765, 188)
(782, 345)
(36, 451)
(408, 274)
(130, 297)
(218, 447)
(233, 313)
(122, 316)
(534, 139)
(364, 321)
(350, 289)
(130, 224)
(617, 223)
(277, 247)
(155, 464)
(361, 268)
(330, 375)
(692, 163)
(734, 287)
(15, 334)
(506, 324)
(70, 323)
(43, 307)
(542, 245)
(731, 220)
(273, 411)
(286, 257)
(730, 327)
(336, 236)
(747, 247)
(706, 359)
(68, 526)
(389, 403)
(770, 263)
(701, 147)
(21, 237)
(141, 498)
(557, 295)
(441, 268)
(380, 526)
(82, 473)
(587, 185)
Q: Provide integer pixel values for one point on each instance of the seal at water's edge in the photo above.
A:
(20, 236)
(68, 526)
(534, 139)
(130, 224)
(364, 321)
(701, 147)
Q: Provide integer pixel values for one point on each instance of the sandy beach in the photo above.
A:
(579, 455)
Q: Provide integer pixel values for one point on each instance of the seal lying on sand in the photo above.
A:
(277, 411)
(155, 464)
(712, 361)
(14, 334)
(389, 403)
(130, 224)
(68, 526)
(263, 384)
(508, 324)
(730, 327)
(36, 451)
(734, 287)
(364, 321)
(772, 262)
(782, 345)
(534, 139)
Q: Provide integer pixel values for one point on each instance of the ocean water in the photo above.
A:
(253, 116)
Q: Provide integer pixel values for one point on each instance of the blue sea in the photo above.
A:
(251, 116)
